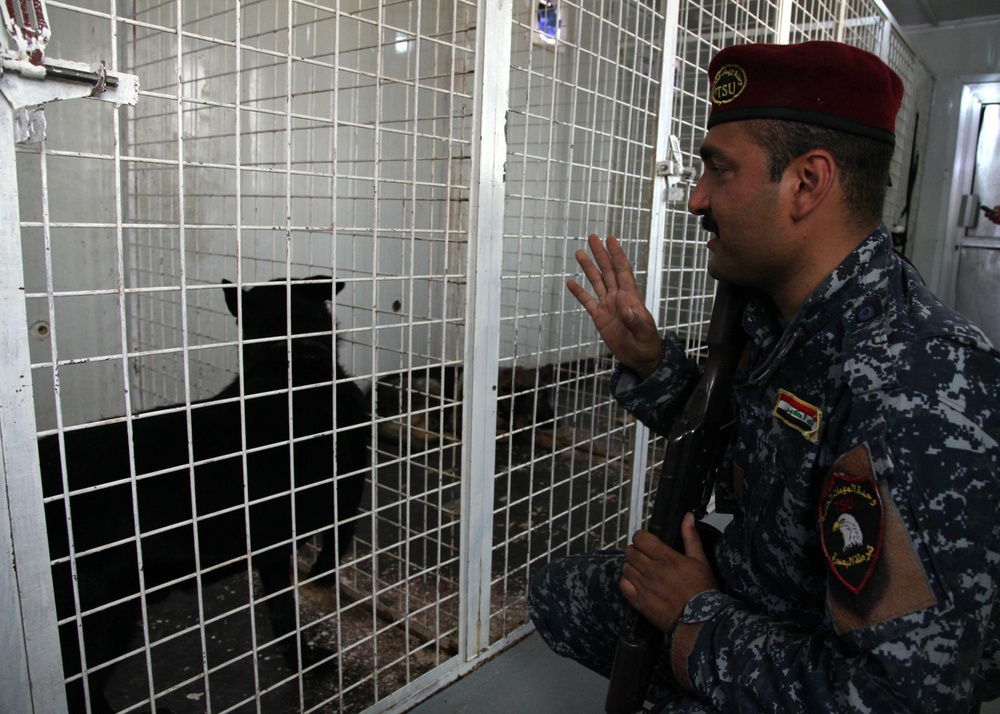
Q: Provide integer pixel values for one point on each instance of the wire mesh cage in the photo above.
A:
(294, 150)
(262, 348)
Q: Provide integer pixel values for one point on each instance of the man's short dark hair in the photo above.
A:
(863, 162)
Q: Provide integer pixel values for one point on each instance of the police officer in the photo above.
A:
(861, 566)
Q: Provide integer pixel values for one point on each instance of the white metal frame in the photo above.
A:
(32, 681)
(482, 346)
(657, 244)
(28, 619)
(27, 616)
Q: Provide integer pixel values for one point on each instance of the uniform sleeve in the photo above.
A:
(905, 631)
(656, 400)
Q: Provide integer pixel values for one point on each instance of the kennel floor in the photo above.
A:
(417, 541)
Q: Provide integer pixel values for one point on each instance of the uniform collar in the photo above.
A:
(867, 267)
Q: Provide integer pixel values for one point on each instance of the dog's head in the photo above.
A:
(263, 312)
(525, 394)
(264, 309)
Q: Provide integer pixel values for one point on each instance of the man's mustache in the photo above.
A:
(709, 225)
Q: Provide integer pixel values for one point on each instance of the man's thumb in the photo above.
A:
(692, 541)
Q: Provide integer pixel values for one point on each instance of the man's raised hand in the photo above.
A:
(618, 312)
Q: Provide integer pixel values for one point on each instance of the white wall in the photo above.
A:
(955, 54)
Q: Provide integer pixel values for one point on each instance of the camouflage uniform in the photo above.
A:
(860, 571)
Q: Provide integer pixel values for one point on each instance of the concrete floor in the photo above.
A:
(529, 678)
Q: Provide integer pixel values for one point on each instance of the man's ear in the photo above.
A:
(814, 174)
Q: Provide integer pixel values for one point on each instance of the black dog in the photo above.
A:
(243, 481)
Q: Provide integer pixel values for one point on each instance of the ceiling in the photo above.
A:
(935, 12)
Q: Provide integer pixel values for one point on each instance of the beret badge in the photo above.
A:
(728, 84)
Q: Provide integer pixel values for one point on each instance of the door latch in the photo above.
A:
(675, 172)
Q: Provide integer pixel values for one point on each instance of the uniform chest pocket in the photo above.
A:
(778, 461)
(780, 501)
(794, 466)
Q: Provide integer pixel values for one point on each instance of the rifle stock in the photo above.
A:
(693, 455)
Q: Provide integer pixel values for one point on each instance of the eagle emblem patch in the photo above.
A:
(851, 528)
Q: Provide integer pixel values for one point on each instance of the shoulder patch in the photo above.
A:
(874, 572)
(851, 528)
(800, 415)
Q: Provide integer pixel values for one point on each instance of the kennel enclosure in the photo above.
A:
(444, 159)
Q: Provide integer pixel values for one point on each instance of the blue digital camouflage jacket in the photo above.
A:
(860, 570)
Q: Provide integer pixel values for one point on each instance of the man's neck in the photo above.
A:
(825, 249)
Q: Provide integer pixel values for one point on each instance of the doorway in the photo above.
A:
(977, 183)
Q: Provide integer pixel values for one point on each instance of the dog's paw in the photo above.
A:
(319, 660)
(313, 657)
(328, 580)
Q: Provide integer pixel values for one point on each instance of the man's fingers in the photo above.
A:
(624, 275)
(649, 545)
(610, 269)
(637, 559)
(595, 276)
(629, 591)
(582, 296)
(603, 259)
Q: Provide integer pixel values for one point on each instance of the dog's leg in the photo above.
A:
(326, 562)
(274, 569)
(106, 634)
(275, 573)
(348, 497)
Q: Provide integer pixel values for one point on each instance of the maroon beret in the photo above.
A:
(829, 84)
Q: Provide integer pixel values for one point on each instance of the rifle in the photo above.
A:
(899, 239)
(693, 456)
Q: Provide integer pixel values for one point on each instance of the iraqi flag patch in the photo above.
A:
(800, 415)
(851, 528)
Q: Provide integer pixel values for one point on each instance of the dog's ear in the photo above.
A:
(340, 285)
(320, 292)
(231, 300)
